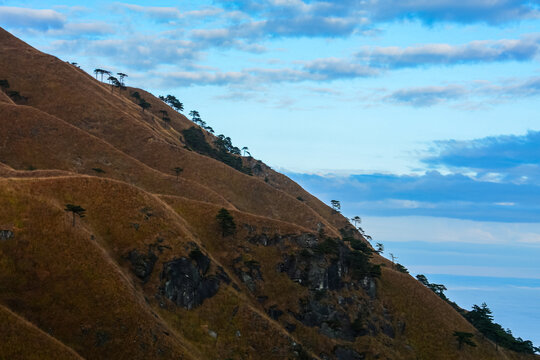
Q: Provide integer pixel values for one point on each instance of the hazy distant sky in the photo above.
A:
(421, 116)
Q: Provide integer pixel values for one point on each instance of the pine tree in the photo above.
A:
(226, 222)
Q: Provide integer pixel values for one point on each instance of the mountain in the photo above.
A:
(148, 273)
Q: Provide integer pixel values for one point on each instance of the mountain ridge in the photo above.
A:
(287, 284)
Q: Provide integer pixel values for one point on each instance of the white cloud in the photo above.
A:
(468, 270)
(24, 18)
(439, 230)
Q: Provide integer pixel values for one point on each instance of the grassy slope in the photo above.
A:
(4, 98)
(82, 101)
(22, 340)
(66, 280)
(120, 304)
(73, 123)
(34, 138)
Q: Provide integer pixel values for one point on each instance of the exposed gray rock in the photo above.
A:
(345, 353)
(6, 234)
(249, 272)
(142, 264)
(183, 284)
(310, 271)
(370, 286)
(203, 261)
(306, 240)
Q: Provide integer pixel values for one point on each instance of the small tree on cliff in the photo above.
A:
(75, 210)
(225, 222)
(336, 205)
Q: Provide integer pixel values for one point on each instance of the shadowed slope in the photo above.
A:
(100, 244)
(22, 340)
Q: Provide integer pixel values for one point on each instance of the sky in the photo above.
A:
(420, 116)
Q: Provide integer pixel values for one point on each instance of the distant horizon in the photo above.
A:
(421, 117)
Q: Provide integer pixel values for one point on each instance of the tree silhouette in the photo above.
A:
(114, 82)
(177, 171)
(144, 104)
(356, 220)
(75, 210)
(98, 71)
(423, 279)
(105, 72)
(136, 95)
(464, 338)
(393, 258)
(245, 150)
(336, 205)
(121, 78)
(195, 116)
(173, 102)
(225, 222)
(379, 248)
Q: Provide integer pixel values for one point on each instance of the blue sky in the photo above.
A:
(420, 116)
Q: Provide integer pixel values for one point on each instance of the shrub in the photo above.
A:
(401, 268)
(327, 247)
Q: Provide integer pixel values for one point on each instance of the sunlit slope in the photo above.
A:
(64, 91)
(32, 139)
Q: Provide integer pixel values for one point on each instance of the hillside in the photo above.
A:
(147, 273)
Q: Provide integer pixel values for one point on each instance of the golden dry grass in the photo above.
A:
(21, 340)
(4, 98)
(61, 90)
(71, 288)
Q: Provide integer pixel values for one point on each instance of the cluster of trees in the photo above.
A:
(173, 102)
(438, 289)
(223, 142)
(223, 149)
(141, 101)
(114, 81)
(196, 118)
(358, 260)
(481, 318)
